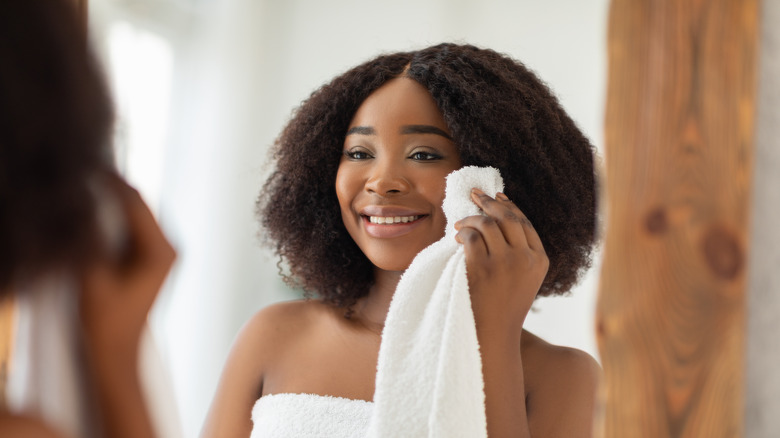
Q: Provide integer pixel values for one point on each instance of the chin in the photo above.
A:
(394, 255)
(390, 265)
(393, 264)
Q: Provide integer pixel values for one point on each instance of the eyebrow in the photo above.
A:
(362, 130)
(424, 129)
(407, 129)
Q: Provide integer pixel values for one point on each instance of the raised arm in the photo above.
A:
(118, 292)
(118, 289)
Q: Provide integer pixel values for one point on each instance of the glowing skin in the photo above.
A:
(391, 178)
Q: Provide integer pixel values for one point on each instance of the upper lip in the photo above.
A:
(389, 211)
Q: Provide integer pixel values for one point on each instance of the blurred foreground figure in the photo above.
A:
(80, 254)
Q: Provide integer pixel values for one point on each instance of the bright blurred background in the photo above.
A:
(203, 87)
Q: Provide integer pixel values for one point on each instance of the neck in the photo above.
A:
(372, 309)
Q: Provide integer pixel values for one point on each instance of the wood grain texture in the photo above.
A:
(678, 152)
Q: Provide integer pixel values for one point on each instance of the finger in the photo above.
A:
(474, 245)
(532, 237)
(510, 224)
(493, 237)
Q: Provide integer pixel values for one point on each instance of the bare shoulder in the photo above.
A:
(281, 323)
(278, 327)
(285, 318)
(560, 381)
(262, 342)
(557, 361)
(23, 426)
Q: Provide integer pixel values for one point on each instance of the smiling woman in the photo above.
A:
(390, 180)
(237, 67)
(365, 160)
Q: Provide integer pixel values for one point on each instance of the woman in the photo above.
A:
(70, 231)
(357, 193)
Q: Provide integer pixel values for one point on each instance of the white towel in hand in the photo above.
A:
(429, 379)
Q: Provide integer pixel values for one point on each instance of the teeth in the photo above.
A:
(392, 219)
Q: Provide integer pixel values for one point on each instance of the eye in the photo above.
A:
(357, 155)
(424, 156)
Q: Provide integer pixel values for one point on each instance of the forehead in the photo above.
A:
(400, 101)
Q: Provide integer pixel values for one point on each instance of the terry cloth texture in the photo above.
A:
(429, 376)
(309, 416)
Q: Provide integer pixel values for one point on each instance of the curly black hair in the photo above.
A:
(55, 123)
(499, 114)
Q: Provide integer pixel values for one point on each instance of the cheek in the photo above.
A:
(346, 190)
(343, 188)
(435, 191)
(436, 188)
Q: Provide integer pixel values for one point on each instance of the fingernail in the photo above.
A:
(501, 196)
(477, 191)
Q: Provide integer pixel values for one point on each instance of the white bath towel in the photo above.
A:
(429, 379)
(309, 416)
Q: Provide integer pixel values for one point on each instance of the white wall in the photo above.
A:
(762, 383)
(241, 66)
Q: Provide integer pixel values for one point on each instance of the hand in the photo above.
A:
(505, 261)
(118, 290)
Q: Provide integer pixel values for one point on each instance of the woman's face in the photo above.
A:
(391, 178)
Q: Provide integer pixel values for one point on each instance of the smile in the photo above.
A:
(386, 227)
(389, 220)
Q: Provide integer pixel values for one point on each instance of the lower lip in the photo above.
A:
(386, 231)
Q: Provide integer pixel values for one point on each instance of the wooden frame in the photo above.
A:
(679, 155)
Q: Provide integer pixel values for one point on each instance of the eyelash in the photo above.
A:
(362, 155)
(352, 155)
(430, 156)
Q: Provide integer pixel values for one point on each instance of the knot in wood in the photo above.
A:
(656, 222)
(723, 253)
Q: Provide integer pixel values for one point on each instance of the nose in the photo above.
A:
(387, 179)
